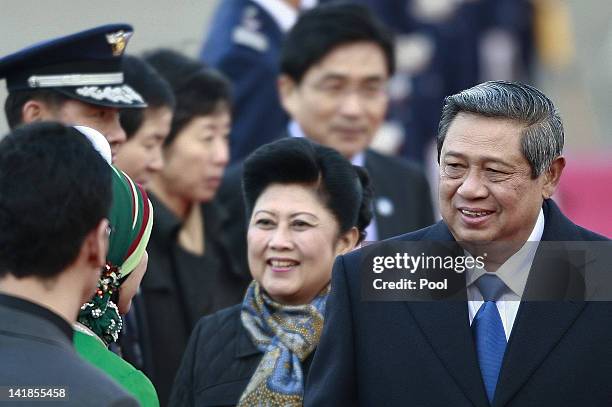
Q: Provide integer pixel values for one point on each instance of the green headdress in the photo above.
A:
(131, 220)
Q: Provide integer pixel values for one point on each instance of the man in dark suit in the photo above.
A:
(55, 194)
(335, 65)
(500, 152)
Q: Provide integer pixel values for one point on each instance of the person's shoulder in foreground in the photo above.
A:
(34, 357)
(500, 153)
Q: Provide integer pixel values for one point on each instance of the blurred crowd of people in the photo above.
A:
(243, 174)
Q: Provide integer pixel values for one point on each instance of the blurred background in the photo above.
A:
(563, 47)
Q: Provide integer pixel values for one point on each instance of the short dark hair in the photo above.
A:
(322, 29)
(54, 189)
(543, 137)
(343, 188)
(16, 99)
(154, 89)
(199, 91)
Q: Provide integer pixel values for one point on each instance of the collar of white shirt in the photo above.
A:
(283, 14)
(514, 273)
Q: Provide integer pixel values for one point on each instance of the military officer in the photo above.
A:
(75, 79)
(244, 43)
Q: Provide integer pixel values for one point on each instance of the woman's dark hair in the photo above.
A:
(155, 90)
(343, 188)
(198, 90)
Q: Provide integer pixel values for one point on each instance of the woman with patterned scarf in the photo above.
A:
(99, 322)
(306, 204)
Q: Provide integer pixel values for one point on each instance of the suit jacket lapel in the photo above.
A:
(539, 325)
(446, 326)
(538, 328)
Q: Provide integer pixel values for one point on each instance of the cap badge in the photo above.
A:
(118, 40)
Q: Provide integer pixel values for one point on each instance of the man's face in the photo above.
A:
(486, 191)
(104, 119)
(341, 101)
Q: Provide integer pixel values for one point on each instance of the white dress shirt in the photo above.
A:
(514, 273)
(282, 13)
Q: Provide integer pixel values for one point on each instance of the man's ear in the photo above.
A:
(552, 176)
(91, 258)
(95, 245)
(35, 110)
(287, 92)
(347, 241)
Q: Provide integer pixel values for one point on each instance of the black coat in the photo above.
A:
(36, 351)
(399, 186)
(179, 288)
(218, 363)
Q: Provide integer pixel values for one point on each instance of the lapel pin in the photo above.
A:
(384, 206)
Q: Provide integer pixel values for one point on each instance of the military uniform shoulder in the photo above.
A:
(249, 32)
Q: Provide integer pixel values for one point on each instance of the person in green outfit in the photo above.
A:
(99, 321)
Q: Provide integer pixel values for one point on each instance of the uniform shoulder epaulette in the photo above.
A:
(248, 32)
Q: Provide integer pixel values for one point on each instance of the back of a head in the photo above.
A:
(543, 136)
(155, 90)
(198, 90)
(54, 189)
(344, 189)
(320, 30)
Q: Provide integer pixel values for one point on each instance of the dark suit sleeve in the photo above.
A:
(231, 197)
(331, 378)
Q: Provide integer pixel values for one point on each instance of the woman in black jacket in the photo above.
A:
(306, 204)
(191, 271)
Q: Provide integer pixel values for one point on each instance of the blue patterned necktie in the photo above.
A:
(489, 332)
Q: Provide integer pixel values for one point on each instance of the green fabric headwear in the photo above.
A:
(131, 220)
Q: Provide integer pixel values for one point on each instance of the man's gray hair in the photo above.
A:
(542, 139)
